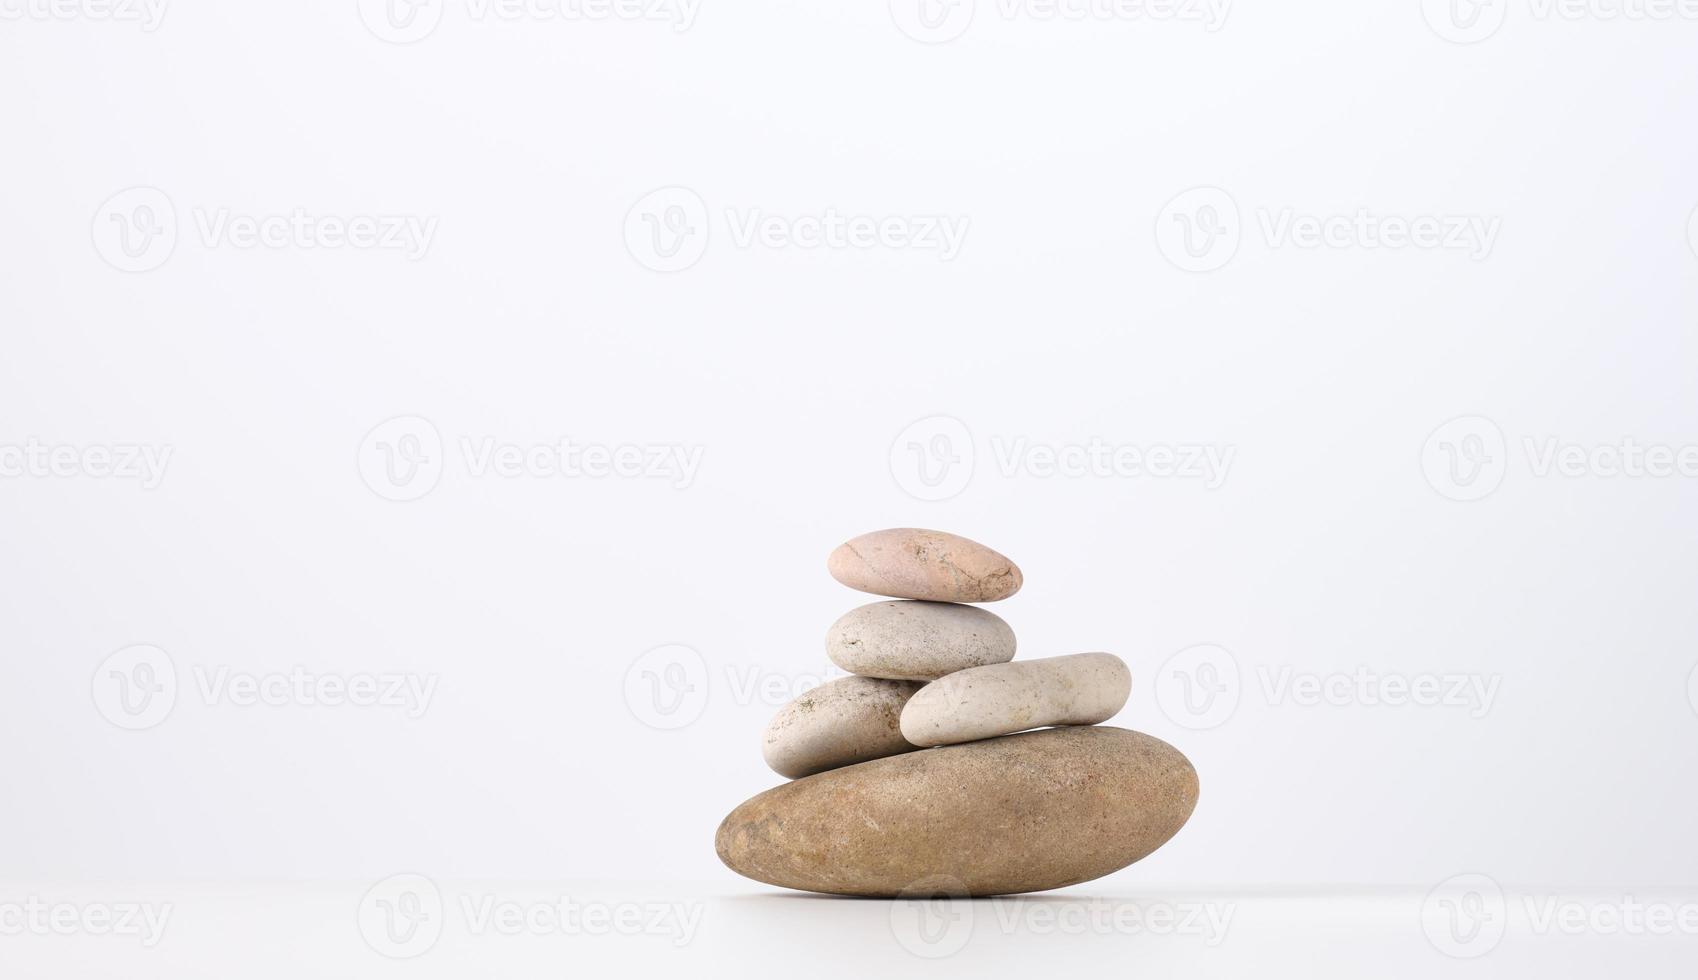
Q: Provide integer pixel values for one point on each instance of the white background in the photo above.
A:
(1338, 541)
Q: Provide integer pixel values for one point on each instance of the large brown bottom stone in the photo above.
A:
(1019, 813)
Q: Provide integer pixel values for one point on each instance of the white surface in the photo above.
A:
(1376, 503)
(540, 929)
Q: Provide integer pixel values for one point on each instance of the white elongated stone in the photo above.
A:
(1000, 699)
(841, 722)
(917, 641)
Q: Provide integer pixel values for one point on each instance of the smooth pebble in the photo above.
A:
(1014, 814)
(913, 563)
(999, 699)
(920, 641)
(839, 723)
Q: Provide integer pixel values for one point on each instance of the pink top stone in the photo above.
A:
(914, 563)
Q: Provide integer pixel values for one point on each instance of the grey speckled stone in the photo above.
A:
(913, 563)
(848, 720)
(918, 641)
(1019, 813)
(999, 699)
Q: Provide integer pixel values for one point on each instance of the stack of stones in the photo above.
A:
(984, 810)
